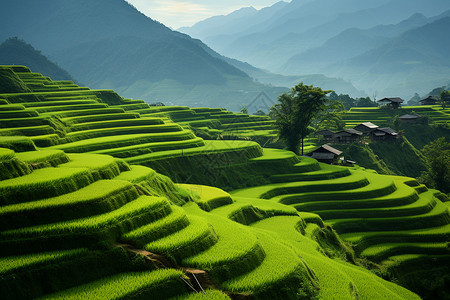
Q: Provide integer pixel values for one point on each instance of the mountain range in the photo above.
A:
(348, 39)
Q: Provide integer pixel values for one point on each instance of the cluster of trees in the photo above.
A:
(295, 111)
(349, 102)
(437, 155)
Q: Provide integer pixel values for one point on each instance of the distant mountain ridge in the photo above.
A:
(14, 51)
(109, 44)
(332, 38)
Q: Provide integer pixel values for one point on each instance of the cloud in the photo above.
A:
(180, 8)
(177, 13)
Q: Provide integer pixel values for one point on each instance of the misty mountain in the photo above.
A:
(302, 25)
(349, 43)
(109, 44)
(415, 61)
(14, 51)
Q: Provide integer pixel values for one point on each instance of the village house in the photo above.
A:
(366, 127)
(327, 134)
(382, 134)
(326, 154)
(391, 102)
(347, 136)
(430, 100)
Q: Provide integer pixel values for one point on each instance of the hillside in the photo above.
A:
(14, 51)
(120, 48)
(85, 211)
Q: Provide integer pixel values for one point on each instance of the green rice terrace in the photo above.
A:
(109, 198)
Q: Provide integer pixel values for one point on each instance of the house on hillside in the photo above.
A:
(382, 134)
(347, 136)
(327, 134)
(366, 127)
(326, 154)
(430, 100)
(413, 118)
(391, 102)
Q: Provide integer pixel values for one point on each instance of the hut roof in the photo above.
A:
(368, 125)
(324, 132)
(385, 130)
(429, 98)
(396, 100)
(327, 148)
(352, 131)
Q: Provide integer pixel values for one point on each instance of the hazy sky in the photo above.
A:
(178, 13)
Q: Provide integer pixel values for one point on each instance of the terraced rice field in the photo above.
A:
(82, 217)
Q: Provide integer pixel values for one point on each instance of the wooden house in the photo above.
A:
(326, 154)
(366, 127)
(347, 136)
(430, 100)
(391, 102)
(382, 134)
(327, 134)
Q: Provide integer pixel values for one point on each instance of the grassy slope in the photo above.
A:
(271, 260)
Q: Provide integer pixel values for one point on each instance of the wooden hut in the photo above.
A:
(347, 136)
(366, 127)
(392, 102)
(430, 100)
(326, 154)
(382, 134)
(327, 134)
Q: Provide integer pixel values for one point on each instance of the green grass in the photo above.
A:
(13, 263)
(107, 227)
(356, 180)
(196, 237)
(380, 252)
(101, 143)
(43, 158)
(280, 268)
(208, 198)
(28, 131)
(175, 221)
(102, 132)
(17, 143)
(236, 252)
(116, 123)
(101, 166)
(208, 295)
(43, 183)
(97, 198)
(100, 118)
(159, 284)
(6, 154)
(136, 174)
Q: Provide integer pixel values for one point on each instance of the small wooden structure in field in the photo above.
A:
(430, 100)
(391, 102)
(382, 134)
(366, 127)
(326, 154)
(347, 136)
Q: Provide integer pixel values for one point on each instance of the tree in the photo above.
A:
(437, 154)
(444, 99)
(244, 110)
(365, 102)
(295, 112)
(260, 113)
